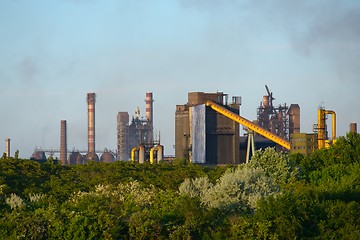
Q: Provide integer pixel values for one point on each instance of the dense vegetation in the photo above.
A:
(275, 196)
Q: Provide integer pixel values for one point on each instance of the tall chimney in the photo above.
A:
(294, 118)
(353, 127)
(7, 150)
(91, 122)
(149, 107)
(63, 142)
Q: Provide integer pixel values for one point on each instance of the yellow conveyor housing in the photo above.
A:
(248, 124)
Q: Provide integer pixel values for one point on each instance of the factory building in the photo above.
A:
(207, 128)
(204, 136)
(304, 143)
(139, 131)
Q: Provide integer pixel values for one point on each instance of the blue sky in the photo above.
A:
(53, 52)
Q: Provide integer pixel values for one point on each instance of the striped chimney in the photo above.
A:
(149, 107)
(91, 122)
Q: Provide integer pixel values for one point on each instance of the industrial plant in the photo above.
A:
(135, 139)
(207, 131)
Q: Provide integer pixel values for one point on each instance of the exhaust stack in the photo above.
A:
(353, 127)
(91, 121)
(63, 142)
(149, 107)
(7, 150)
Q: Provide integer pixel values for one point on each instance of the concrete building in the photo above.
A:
(304, 143)
(203, 135)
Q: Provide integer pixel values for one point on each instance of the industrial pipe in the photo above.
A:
(133, 151)
(321, 127)
(321, 133)
(333, 123)
(159, 149)
(152, 150)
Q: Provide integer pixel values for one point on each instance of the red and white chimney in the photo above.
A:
(91, 121)
(149, 107)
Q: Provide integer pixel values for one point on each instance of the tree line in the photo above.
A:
(275, 196)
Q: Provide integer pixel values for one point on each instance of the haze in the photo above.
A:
(53, 52)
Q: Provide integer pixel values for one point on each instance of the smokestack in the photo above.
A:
(353, 127)
(149, 107)
(123, 136)
(294, 118)
(63, 142)
(7, 150)
(91, 122)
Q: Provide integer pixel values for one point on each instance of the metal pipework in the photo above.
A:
(159, 149)
(321, 132)
(91, 121)
(63, 142)
(152, 150)
(333, 123)
(133, 152)
(321, 127)
(141, 153)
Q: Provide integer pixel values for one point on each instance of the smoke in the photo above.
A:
(211, 5)
(27, 69)
(335, 35)
(326, 28)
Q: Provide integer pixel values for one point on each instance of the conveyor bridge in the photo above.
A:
(243, 121)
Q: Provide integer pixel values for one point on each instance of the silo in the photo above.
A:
(63, 142)
(107, 157)
(91, 156)
(91, 122)
(75, 158)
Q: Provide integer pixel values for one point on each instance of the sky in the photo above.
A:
(53, 52)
